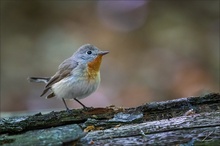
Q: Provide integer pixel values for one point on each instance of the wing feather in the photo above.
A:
(64, 70)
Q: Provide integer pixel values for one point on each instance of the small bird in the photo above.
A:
(77, 77)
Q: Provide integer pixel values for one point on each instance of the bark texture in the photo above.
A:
(190, 121)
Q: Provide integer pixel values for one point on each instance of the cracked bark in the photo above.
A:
(192, 120)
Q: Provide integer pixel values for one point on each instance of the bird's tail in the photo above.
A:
(39, 79)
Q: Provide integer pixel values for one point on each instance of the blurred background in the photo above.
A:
(159, 50)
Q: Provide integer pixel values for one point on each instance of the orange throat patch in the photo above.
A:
(94, 67)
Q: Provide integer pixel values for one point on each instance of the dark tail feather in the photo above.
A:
(45, 91)
(39, 79)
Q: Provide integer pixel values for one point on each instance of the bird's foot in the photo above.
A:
(87, 108)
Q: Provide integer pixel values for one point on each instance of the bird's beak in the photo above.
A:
(103, 52)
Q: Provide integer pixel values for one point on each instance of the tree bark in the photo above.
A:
(192, 120)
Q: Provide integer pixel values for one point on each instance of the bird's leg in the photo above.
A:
(85, 107)
(80, 103)
(67, 109)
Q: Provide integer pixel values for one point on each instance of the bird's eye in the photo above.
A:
(89, 52)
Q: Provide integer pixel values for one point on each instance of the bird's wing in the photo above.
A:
(64, 70)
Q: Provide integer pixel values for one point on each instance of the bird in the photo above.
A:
(76, 78)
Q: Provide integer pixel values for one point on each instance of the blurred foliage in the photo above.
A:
(159, 50)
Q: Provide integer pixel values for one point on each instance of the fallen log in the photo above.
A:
(192, 120)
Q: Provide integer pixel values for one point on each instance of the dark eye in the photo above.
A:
(89, 52)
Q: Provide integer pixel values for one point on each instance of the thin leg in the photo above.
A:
(85, 107)
(65, 105)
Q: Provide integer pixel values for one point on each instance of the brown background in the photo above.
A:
(159, 50)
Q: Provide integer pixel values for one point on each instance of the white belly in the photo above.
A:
(70, 88)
